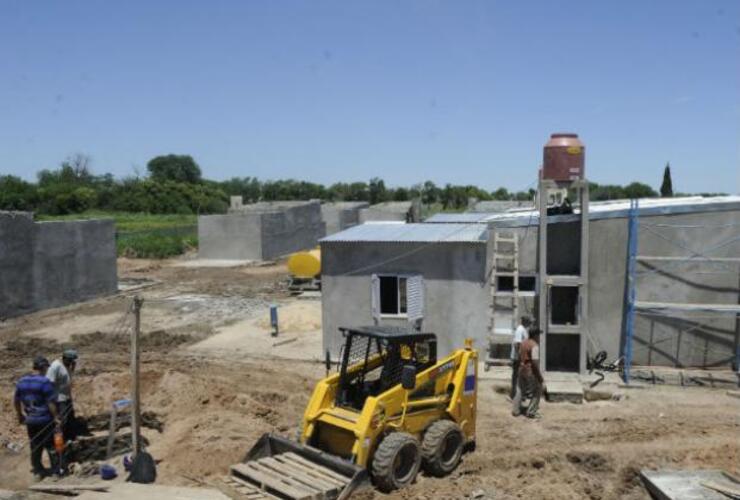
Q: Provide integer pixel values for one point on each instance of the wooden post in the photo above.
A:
(135, 403)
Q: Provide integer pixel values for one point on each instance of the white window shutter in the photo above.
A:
(415, 297)
(375, 297)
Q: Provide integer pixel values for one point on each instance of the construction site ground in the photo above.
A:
(216, 379)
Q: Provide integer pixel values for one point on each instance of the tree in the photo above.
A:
(178, 168)
(666, 189)
(430, 193)
(377, 191)
(639, 190)
(401, 194)
(17, 194)
(501, 194)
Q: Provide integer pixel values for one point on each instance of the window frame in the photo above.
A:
(522, 293)
(398, 277)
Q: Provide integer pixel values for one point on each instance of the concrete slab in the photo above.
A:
(684, 484)
(570, 391)
(214, 263)
(299, 337)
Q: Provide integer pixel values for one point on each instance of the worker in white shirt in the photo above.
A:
(520, 335)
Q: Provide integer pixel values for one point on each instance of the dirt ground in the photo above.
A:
(216, 402)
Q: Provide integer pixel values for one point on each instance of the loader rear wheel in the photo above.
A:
(396, 461)
(442, 447)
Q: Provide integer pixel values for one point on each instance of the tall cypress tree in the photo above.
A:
(666, 189)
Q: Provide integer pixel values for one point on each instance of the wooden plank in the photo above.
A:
(311, 471)
(300, 476)
(68, 488)
(269, 480)
(318, 470)
(302, 473)
(286, 478)
(318, 467)
(248, 489)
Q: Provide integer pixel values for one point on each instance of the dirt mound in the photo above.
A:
(296, 317)
(105, 342)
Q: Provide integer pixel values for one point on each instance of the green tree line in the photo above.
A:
(175, 185)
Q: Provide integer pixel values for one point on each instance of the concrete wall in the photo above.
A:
(292, 229)
(455, 290)
(496, 206)
(233, 236)
(51, 264)
(16, 263)
(341, 215)
(670, 339)
(408, 211)
(261, 231)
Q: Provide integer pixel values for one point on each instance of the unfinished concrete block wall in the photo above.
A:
(291, 229)
(670, 339)
(260, 231)
(456, 294)
(50, 264)
(679, 338)
(407, 211)
(341, 215)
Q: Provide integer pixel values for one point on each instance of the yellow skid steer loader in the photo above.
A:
(390, 409)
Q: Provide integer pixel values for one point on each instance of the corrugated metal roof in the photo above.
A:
(411, 233)
(464, 217)
(599, 210)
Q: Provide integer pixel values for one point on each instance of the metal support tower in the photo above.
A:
(547, 281)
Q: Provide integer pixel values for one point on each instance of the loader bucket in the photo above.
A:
(280, 468)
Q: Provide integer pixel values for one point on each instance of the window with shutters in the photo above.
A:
(398, 295)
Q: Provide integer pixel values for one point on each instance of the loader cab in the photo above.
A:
(373, 360)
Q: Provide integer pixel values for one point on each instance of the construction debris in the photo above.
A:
(690, 484)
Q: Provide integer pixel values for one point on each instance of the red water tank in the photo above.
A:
(564, 158)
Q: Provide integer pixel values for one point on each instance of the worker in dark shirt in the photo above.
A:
(35, 406)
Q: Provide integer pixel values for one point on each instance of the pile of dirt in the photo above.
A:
(157, 340)
(294, 317)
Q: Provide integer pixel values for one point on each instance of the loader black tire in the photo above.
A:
(396, 462)
(442, 447)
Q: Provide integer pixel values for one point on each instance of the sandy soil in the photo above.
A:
(216, 402)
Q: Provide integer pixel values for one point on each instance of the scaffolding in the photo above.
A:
(675, 310)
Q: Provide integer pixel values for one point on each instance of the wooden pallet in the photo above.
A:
(246, 490)
(290, 475)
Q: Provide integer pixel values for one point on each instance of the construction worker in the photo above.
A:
(530, 377)
(520, 335)
(35, 406)
(60, 374)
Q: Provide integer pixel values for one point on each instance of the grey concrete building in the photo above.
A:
(341, 215)
(426, 276)
(51, 264)
(260, 231)
(689, 250)
(496, 206)
(406, 211)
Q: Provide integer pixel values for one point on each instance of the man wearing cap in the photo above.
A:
(35, 406)
(60, 374)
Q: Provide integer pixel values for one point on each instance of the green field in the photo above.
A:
(141, 235)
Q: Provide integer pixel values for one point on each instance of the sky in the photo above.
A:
(465, 92)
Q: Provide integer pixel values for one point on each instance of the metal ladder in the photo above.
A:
(505, 250)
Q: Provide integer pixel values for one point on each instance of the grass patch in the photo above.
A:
(150, 236)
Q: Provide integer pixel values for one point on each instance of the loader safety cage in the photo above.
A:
(373, 358)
